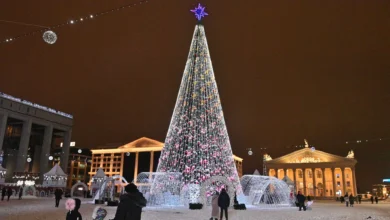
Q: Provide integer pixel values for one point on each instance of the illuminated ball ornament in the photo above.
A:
(49, 37)
(128, 154)
(50, 157)
(29, 159)
(79, 151)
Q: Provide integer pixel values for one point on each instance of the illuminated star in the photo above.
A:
(199, 12)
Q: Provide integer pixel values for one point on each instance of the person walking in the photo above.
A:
(214, 205)
(9, 193)
(346, 199)
(224, 203)
(376, 199)
(20, 193)
(360, 199)
(73, 206)
(372, 199)
(57, 196)
(301, 201)
(3, 192)
(351, 200)
(131, 204)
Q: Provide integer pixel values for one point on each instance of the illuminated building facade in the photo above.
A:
(79, 165)
(28, 132)
(315, 172)
(129, 160)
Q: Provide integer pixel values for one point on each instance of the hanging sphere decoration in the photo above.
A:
(29, 159)
(50, 157)
(79, 151)
(250, 152)
(128, 154)
(49, 37)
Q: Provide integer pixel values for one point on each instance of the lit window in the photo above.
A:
(337, 175)
(338, 184)
(348, 184)
(347, 175)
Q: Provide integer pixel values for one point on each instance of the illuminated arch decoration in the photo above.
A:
(216, 183)
(76, 185)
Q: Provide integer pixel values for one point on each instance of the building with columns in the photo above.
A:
(129, 160)
(316, 173)
(28, 132)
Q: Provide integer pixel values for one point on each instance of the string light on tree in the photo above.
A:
(197, 143)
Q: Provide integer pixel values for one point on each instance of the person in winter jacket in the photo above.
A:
(9, 193)
(376, 199)
(346, 199)
(20, 193)
(224, 203)
(215, 208)
(3, 192)
(131, 204)
(351, 200)
(301, 201)
(58, 196)
(372, 199)
(73, 206)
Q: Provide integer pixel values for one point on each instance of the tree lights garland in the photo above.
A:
(197, 143)
(48, 34)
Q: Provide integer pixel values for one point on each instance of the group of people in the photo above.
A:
(8, 192)
(129, 208)
(132, 202)
(220, 202)
(350, 200)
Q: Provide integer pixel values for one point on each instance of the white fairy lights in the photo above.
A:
(69, 22)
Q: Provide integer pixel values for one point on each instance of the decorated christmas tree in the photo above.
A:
(197, 144)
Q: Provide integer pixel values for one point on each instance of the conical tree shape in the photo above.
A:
(197, 143)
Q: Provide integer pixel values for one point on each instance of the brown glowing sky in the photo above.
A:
(286, 71)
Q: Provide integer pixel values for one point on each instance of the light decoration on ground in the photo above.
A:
(197, 143)
(265, 192)
(161, 189)
(51, 37)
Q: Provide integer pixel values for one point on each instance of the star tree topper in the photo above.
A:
(199, 12)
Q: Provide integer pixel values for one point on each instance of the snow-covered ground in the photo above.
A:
(38, 208)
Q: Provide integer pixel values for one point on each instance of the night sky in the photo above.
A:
(286, 70)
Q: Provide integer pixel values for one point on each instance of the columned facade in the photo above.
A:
(27, 133)
(131, 159)
(316, 173)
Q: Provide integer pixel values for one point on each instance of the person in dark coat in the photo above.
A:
(20, 193)
(58, 196)
(9, 193)
(360, 199)
(224, 203)
(131, 204)
(308, 198)
(372, 199)
(351, 200)
(75, 214)
(376, 199)
(301, 201)
(3, 192)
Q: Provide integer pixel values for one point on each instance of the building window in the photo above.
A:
(348, 184)
(337, 176)
(347, 175)
(300, 174)
(310, 174)
(319, 174)
(338, 183)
